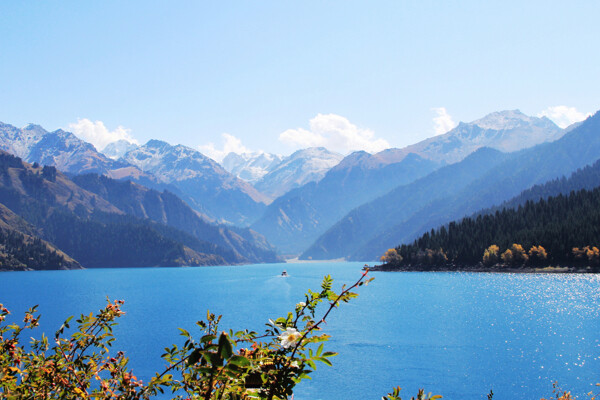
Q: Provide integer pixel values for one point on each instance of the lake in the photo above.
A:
(455, 334)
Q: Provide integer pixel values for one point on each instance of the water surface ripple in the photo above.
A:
(456, 334)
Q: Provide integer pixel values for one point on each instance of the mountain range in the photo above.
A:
(408, 211)
(202, 182)
(506, 131)
(295, 221)
(314, 203)
(275, 175)
(125, 224)
(251, 167)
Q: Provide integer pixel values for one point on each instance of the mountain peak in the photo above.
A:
(116, 150)
(157, 144)
(503, 120)
(33, 127)
(301, 167)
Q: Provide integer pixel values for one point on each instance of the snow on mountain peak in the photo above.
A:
(303, 166)
(250, 166)
(118, 149)
(505, 120)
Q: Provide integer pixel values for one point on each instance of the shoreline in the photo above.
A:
(498, 268)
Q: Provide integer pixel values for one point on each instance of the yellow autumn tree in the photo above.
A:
(507, 257)
(537, 254)
(515, 255)
(591, 254)
(391, 256)
(436, 256)
(579, 253)
(491, 255)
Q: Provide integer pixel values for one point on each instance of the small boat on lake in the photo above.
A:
(284, 273)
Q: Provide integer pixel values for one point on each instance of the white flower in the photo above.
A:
(301, 304)
(289, 337)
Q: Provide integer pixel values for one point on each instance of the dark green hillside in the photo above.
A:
(122, 243)
(66, 215)
(236, 245)
(21, 248)
(558, 224)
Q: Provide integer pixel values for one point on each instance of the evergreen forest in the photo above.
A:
(559, 230)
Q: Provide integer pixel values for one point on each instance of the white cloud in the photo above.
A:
(563, 116)
(231, 144)
(335, 133)
(443, 121)
(98, 135)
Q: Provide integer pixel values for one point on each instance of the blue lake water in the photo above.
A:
(455, 334)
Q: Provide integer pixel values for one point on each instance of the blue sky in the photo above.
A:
(278, 75)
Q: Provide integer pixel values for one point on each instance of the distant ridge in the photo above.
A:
(382, 229)
(506, 131)
(294, 220)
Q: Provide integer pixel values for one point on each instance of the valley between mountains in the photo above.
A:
(65, 204)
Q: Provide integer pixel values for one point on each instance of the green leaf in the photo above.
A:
(240, 361)
(184, 332)
(324, 361)
(207, 338)
(225, 349)
(213, 358)
(320, 349)
(194, 357)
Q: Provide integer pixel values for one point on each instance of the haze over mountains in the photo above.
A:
(314, 203)
(490, 179)
(298, 218)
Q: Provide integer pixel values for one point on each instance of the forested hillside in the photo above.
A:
(94, 231)
(21, 248)
(558, 224)
(239, 244)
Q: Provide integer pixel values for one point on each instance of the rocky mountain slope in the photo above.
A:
(203, 183)
(251, 167)
(167, 209)
(301, 167)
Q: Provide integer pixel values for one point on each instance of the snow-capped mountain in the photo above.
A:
(506, 131)
(59, 148)
(303, 166)
(116, 150)
(206, 185)
(251, 166)
(203, 183)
